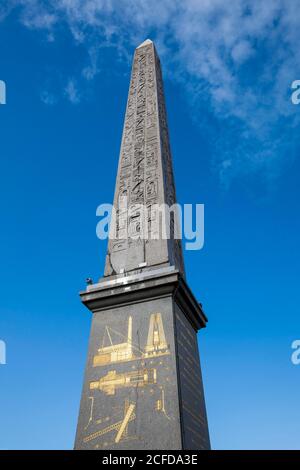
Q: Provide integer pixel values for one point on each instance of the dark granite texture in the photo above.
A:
(152, 391)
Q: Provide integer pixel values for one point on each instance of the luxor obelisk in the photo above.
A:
(143, 387)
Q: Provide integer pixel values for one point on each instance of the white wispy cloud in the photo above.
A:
(72, 92)
(48, 98)
(237, 58)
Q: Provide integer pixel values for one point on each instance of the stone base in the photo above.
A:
(143, 386)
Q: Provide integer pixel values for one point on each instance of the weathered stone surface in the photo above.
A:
(145, 174)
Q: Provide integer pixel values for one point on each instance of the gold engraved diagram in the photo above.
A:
(118, 347)
(115, 352)
(156, 342)
(120, 426)
(91, 412)
(160, 404)
(126, 350)
(112, 381)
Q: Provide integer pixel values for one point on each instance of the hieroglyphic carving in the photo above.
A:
(169, 186)
(145, 173)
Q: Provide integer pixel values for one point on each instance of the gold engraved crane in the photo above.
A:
(120, 426)
(112, 381)
(115, 352)
(129, 416)
(127, 351)
(156, 342)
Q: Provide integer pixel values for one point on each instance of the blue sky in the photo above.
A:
(235, 142)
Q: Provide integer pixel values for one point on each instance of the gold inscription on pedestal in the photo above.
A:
(120, 426)
(127, 351)
(110, 382)
(115, 352)
(118, 347)
(156, 341)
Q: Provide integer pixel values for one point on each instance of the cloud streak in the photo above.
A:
(71, 92)
(237, 58)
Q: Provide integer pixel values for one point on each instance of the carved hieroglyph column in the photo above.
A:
(145, 176)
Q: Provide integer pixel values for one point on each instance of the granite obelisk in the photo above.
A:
(143, 386)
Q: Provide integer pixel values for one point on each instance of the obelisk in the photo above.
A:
(143, 386)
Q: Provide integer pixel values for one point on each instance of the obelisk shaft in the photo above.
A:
(145, 176)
